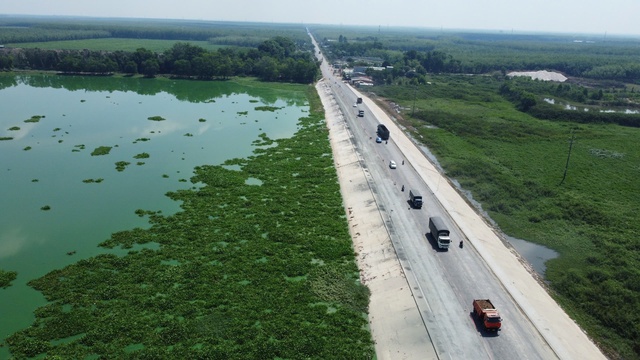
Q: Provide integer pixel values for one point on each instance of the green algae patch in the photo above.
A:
(14, 128)
(92, 181)
(5, 138)
(45, 208)
(6, 277)
(267, 108)
(121, 165)
(35, 119)
(143, 155)
(101, 150)
(156, 118)
(237, 281)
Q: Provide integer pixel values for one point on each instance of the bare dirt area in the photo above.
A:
(543, 75)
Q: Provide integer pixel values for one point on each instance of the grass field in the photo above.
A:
(112, 44)
(513, 164)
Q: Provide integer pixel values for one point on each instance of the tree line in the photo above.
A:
(14, 30)
(602, 61)
(276, 59)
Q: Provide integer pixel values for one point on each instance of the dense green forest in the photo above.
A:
(612, 58)
(14, 30)
(276, 58)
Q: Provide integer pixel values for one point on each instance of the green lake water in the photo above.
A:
(45, 162)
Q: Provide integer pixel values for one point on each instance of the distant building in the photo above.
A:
(358, 81)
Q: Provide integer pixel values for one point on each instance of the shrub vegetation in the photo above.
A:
(513, 164)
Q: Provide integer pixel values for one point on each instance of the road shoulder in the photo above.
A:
(396, 325)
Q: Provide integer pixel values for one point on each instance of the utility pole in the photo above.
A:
(415, 89)
(566, 167)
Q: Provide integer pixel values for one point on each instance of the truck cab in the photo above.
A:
(488, 314)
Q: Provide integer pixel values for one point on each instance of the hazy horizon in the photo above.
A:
(506, 16)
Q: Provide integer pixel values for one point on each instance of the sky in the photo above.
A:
(518, 16)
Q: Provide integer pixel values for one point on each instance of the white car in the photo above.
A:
(392, 164)
(355, 105)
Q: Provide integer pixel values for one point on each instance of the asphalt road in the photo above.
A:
(443, 283)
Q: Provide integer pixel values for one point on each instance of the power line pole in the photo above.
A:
(566, 167)
(415, 90)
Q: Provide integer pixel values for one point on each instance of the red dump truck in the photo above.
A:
(487, 313)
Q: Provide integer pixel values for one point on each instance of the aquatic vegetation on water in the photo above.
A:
(34, 119)
(267, 108)
(45, 208)
(121, 165)
(6, 277)
(14, 128)
(143, 155)
(3, 138)
(156, 118)
(242, 272)
(101, 150)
